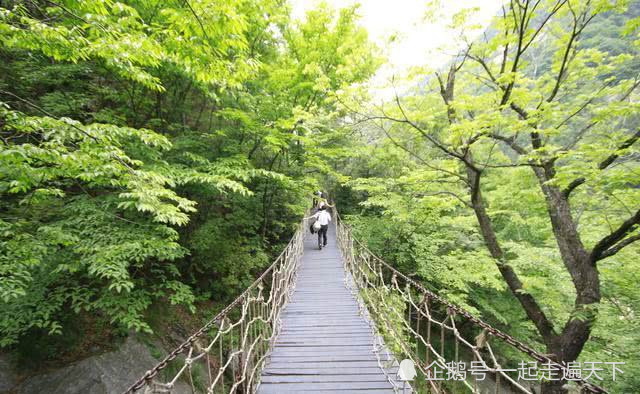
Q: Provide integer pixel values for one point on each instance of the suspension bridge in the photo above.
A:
(339, 320)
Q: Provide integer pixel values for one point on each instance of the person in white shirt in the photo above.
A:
(323, 218)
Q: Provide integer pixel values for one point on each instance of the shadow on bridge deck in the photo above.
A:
(325, 345)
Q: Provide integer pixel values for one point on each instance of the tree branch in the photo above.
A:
(607, 245)
(84, 132)
(417, 157)
(575, 183)
(603, 164)
(510, 141)
(555, 9)
(467, 204)
(575, 33)
(626, 144)
(431, 139)
(615, 249)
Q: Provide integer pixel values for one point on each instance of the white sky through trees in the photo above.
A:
(418, 42)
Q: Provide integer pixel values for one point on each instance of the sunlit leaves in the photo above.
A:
(533, 112)
(138, 129)
(91, 239)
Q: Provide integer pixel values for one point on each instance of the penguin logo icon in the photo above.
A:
(406, 372)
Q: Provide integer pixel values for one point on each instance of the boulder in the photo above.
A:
(107, 373)
(8, 377)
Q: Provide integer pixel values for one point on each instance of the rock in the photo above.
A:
(107, 373)
(8, 377)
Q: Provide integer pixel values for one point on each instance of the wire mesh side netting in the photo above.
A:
(452, 350)
(227, 354)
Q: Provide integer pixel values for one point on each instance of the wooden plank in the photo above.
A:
(323, 378)
(324, 358)
(280, 390)
(324, 371)
(301, 386)
(325, 344)
(351, 314)
(326, 331)
(304, 364)
(318, 335)
(345, 353)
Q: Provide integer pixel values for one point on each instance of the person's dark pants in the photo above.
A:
(322, 234)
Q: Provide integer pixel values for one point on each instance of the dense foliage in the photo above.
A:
(160, 153)
(157, 152)
(508, 181)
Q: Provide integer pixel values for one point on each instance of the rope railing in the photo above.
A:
(227, 354)
(438, 336)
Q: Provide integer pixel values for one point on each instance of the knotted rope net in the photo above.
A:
(452, 350)
(227, 354)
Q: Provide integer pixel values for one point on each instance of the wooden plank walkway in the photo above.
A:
(325, 345)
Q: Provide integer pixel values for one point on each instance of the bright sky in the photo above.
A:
(419, 42)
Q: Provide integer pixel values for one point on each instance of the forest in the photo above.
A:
(156, 156)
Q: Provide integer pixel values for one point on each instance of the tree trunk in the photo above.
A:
(532, 309)
(553, 387)
(577, 260)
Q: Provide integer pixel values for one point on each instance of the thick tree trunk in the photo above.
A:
(553, 387)
(566, 346)
(529, 304)
(583, 271)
